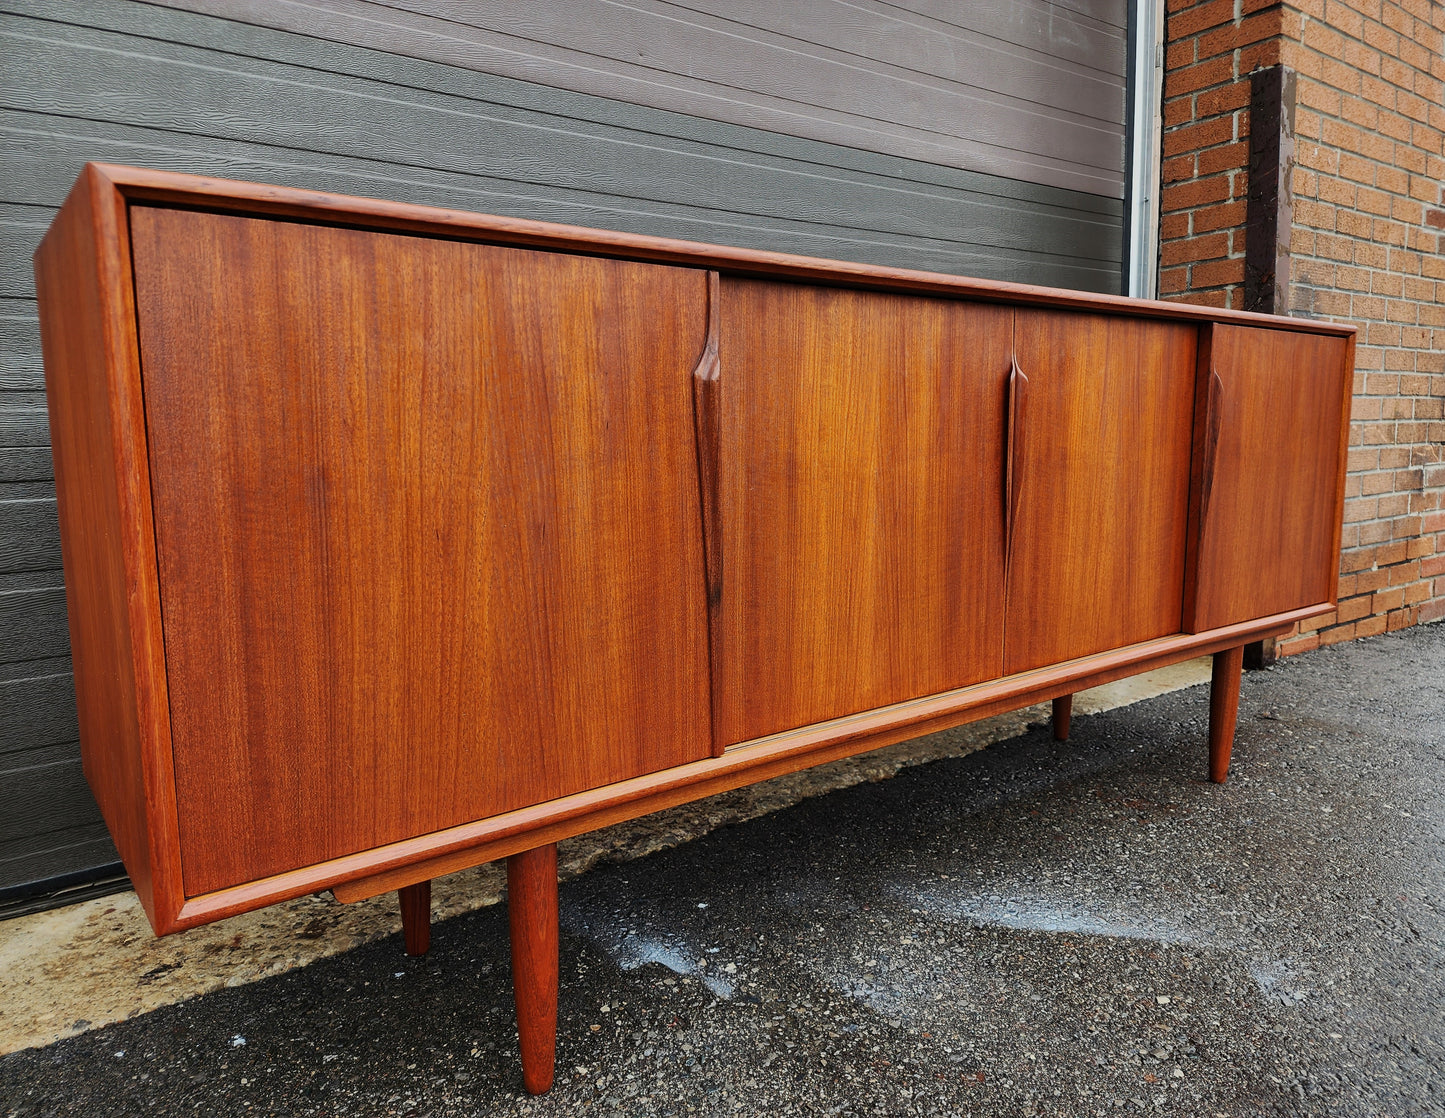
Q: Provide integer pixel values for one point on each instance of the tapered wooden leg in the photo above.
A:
(532, 910)
(1063, 711)
(1223, 710)
(416, 917)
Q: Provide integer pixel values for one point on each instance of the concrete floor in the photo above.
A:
(1034, 928)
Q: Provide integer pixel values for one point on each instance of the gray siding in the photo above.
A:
(134, 83)
(1027, 89)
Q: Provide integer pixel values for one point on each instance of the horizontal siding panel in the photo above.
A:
(27, 864)
(23, 420)
(29, 535)
(714, 62)
(21, 369)
(965, 47)
(1092, 34)
(36, 712)
(46, 161)
(33, 622)
(21, 228)
(45, 797)
(25, 464)
(612, 170)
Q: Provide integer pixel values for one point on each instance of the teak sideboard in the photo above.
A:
(399, 540)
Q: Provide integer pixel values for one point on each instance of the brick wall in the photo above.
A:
(1366, 245)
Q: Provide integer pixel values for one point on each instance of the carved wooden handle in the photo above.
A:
(706, 421)
(1013, 471)
(1213, 416)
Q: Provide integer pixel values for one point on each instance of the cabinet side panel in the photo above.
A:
(78, 320)
(1269, 538)
(428, 526)
(862, 500)
(1101, 466)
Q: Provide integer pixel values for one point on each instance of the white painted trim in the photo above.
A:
(1147, 83)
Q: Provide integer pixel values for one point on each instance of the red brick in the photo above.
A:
(1353, 609)
(1179, 53)
(1386, 600)
(1226, 157)
(1199, 76)
(1402, 573)
(1200, 192)
(1177, 110)
(1229, 215)
(1390, 554)
(1224, 99)
(1370, 627)
(1203, 298)
(1217, 273)
(1194, 137)
(1174, 225)
(1374, 579)
(1343, 633)
(1375, 484)
(1295, 645)
(1178, 169)
(1399, 619)
(1173, 280)
(1200, 18)
(1194, 248)
(1262, 54)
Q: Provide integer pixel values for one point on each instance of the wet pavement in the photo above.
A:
(1077, 929)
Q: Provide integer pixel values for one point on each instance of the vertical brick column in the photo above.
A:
(1211, 49)
(1365, 244)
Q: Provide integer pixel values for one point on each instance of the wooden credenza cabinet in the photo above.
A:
(399, 540)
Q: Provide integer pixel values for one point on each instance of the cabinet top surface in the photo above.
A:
(144, 186)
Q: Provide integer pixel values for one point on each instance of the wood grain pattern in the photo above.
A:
(83, 281)
(1104, 457)
(1063, 712)
(862, 463)
(1272, 485)
(440, 558)
(352, 376)
(1223, 710)
(707, 420)
(415, 903)
(1013, 489)
(532, 917)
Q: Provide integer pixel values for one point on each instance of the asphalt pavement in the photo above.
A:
(1087, 928)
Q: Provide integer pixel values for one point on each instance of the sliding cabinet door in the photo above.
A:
(1274, 406)
(1102, 418)
(861, 507)
(427, 527)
